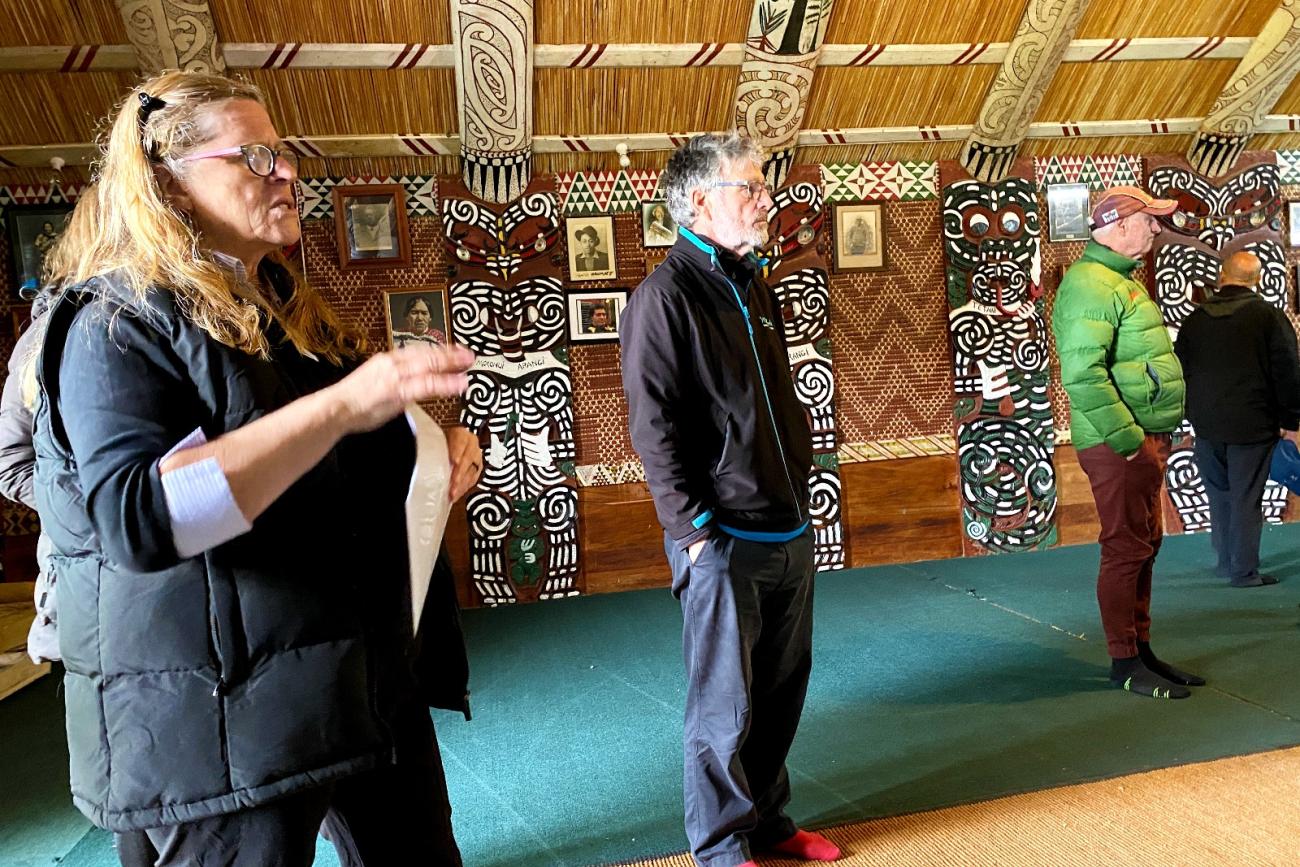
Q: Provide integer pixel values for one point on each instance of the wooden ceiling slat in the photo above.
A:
(60, 22)
(591, 101)
(889, 23)
(846, 97)
(1113, 19)
(426, 21)
(359, 101)
(565, 21)
(1140, 88)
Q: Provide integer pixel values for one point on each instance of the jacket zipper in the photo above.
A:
(758, 364)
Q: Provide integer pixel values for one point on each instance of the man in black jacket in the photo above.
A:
(1243, 387)
(727, 450)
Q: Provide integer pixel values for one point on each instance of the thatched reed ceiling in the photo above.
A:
(50, 107)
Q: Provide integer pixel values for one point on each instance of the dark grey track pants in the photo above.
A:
(1234, 477)
(747, 638)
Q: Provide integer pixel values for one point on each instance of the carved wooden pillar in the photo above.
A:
(493, 42)
(1032, 59)
(1252, 91)
(781, 54)
(172, 34)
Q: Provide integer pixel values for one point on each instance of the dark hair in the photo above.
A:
(410, 305)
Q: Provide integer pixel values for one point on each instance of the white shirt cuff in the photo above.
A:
(203, 510)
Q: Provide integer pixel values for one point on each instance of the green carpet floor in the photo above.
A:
(934, 684)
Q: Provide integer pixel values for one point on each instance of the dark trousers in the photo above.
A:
(1127, 493)
(386, 816)
(1235, 476)
(747, 639)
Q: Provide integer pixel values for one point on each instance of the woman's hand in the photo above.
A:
(378, 390)
(466, 460)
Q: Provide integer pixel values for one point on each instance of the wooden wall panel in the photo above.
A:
(902, 510)
(1076, 513)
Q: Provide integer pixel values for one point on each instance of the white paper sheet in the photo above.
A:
(427, 505)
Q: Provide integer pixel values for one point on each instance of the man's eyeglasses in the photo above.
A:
(753, 189)
(261, 159)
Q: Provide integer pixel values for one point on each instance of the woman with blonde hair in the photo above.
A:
(223, 479)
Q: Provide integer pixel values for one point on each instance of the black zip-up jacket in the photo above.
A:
(711, 404)
(1239, 359)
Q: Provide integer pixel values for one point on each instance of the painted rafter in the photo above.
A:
(1035, 53)
(427, 144)
(418, 55)
(493, 47)
(1263, 74)
(172, 34)
(781, 53)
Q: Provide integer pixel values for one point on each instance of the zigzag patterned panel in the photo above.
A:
(881, 181)
(315, 201)
(1098, 172)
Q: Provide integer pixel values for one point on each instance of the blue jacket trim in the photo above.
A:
(761, 536)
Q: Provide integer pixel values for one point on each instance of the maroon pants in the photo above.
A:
(1128, 505)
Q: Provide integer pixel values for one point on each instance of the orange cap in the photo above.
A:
(1120, 202)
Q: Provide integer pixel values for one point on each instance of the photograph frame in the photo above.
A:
(603, 226)
(1293, 224)
(653, 235)
(398, 236)
(579, 321)
(848, 262)
(1067, 212)
(435, 299)
(24, 224)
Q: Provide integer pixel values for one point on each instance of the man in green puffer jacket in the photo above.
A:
(1126, 397)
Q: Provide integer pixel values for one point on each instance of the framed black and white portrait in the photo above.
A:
(1293, 224)
(371, 224)
(1067, 212)
(859, 237)
(591, 248)
(594, 316)
(33, 229)
(658, 229)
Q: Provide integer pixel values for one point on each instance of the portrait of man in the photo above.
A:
(594, 316)
(859, 237)
(658, 229)
(860, 240)
(33, 230)
(599, 318)
(591, 246)
(1067, 210)
(416, 317)
(372, 227)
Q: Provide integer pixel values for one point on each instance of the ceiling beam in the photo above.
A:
(493, 47)
(172, 34)
(1261, 77)
(1035, 53)
(781, 54)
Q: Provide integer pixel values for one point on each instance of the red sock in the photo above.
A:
(808, 846)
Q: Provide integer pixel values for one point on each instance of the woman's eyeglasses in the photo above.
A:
(261, 159)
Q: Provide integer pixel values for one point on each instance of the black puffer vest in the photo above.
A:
(263, 666)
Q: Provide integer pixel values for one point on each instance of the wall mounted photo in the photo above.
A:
(859, 238)
(591, 248)
(33, 229)
(653, 260)
(1067, 212)
(416, 316)
(594, 316)
(371, 224)
(657, 226)
(1293, 224)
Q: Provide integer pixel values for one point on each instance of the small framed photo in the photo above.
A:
(591, 248)
(371, 224)
(1067, 212)
(1293, 224)
(594, 316)
(33, 229)
(416, 316)
(653, 260)
(859, 237)
(657, 226)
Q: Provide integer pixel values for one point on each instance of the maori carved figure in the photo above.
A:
(1215, 218)
(1005, 436)
(781, 51)
(493, 40)
(797, 273)
(1259, 80)
(1032, 59)
(172, 34)
(507, 304)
